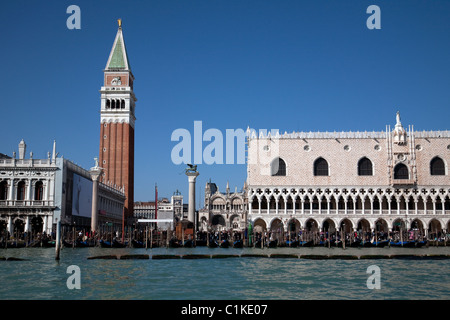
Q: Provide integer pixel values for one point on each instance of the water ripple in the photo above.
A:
(41, 277)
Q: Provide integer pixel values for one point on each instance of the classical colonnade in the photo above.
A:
(355, 207)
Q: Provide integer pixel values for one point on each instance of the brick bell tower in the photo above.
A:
(117, 122)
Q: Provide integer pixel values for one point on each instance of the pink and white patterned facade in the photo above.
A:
(353, 180)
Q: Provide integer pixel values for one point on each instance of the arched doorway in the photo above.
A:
(381, 226)
(329, 226)
(398, 225)
(381, 230)
(416, 230)
(3, 226)
(203, 224)
(277, 230)
(259, 226)
(364, 232)
(311, 225)
(19, 227)
(235, 222)
(346, 225)
(218, 222)
(434, 229)
(36, 225)
(293, 226)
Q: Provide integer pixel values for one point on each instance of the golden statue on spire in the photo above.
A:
(119, 21)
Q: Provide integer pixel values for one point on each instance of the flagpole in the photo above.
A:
(156, 202)
(123, 222)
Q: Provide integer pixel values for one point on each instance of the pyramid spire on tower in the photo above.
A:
(118, 58)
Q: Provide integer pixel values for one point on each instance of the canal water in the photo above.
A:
(39, 276)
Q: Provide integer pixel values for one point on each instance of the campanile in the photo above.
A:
(117, 122)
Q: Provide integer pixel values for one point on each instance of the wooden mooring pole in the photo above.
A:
(58, 239)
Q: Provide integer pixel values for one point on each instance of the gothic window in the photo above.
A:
(21, 191)
(437, 167)
(3, 190)
(401, 171)
(321, 167)
(39, 191)
(278, 167)
(365, 167)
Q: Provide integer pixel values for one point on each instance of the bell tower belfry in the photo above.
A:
(117, 120)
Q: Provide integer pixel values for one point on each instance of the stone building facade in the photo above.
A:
(223, 211)
(35, 193)
(373, 181)
(167, 209)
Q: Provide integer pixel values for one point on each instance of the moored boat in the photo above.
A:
(113, 244)
(380, 244)
(273, 243)
(174, 243)
(309, 243)
(225, 244)
(238, 243)
(292, 244)
(188, 244)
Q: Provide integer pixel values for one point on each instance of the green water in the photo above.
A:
(241, 278)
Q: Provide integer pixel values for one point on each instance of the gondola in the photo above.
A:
(213, 243)
(273, 243)
(78, 244)
(410, 244)
(258, 244)
(225, 244)
(188, 244)
(309, 243)
(400, 244)
(137, 244)
(355, 244)
(174, 243)
(48, 243)
(292, 244)
(200, 243)
(380, 244)
(114, 244)
(420, 244)
(337, 243)
(367, 244)
(238, 243)
(16, 244)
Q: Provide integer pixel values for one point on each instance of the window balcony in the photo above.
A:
(26, 203)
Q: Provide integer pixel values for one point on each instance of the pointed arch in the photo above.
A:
(321, 167)
(365, 167)
(401, 171)
(437, 167)
(278, 167)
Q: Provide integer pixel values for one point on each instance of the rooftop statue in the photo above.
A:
(191, 168)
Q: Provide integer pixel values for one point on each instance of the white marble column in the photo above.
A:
(27, 224)
(10, 225)
(191, 209)
(95, 174)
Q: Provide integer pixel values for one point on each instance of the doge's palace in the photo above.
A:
(370, 181)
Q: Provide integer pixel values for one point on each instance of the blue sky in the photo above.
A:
(288, 65)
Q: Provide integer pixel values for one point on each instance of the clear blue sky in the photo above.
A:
(290, 65)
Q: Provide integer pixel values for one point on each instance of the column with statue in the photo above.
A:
(192, 174)
(95, 172)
